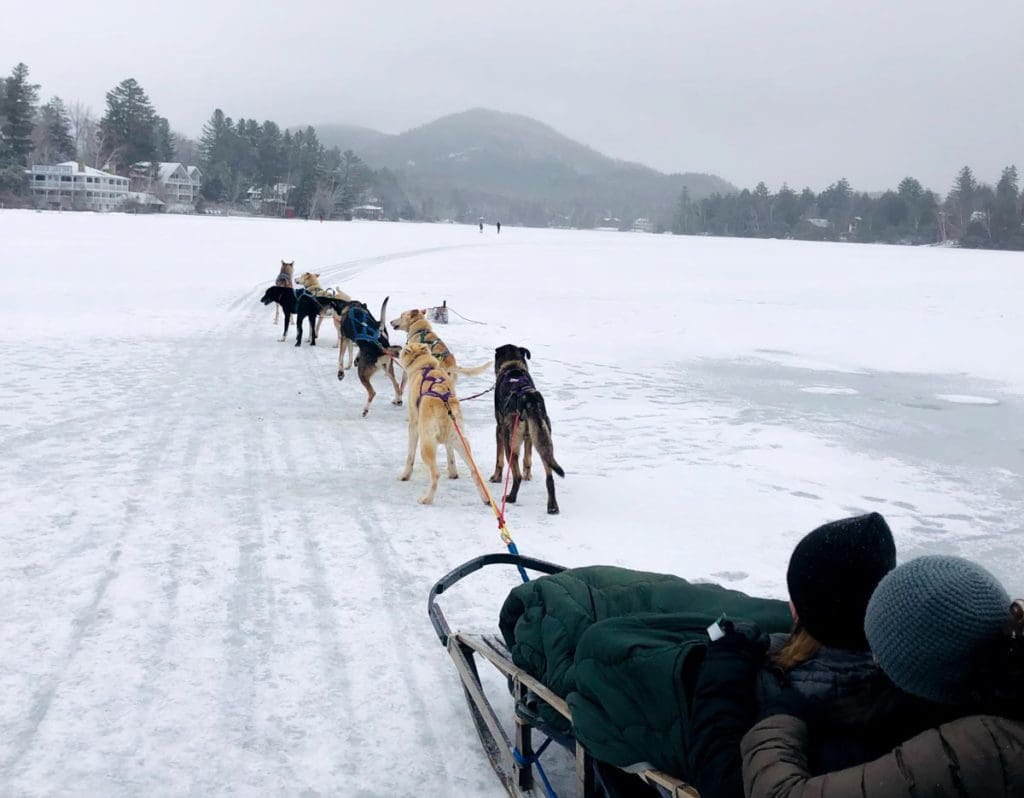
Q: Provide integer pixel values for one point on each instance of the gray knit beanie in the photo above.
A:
(930, 620)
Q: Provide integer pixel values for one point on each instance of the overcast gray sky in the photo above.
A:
(805, 92)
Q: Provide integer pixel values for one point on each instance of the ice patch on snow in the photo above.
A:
(829, 390)
(964, 399)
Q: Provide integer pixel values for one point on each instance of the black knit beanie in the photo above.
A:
(832, 574)
(931, 620)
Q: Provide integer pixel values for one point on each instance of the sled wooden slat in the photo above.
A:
(490, 651)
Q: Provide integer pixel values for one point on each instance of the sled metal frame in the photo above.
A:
(516, 773)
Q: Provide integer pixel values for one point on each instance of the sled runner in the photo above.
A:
(514, 761)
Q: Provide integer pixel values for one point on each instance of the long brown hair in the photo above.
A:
(801, 647)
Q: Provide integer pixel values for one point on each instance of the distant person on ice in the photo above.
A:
(481, 224)
(498, 225)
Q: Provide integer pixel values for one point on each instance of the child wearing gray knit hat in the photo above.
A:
(931, 623)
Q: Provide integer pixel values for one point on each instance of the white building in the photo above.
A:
(176, 183)
(72, 185)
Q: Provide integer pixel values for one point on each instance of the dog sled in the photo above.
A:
(516, 759)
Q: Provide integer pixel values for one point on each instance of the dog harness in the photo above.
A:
(430, 380)
(361, 326)
(433, 344)
(513, 385)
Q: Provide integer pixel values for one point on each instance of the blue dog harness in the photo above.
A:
(361, 326)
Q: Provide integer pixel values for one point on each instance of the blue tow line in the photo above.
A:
(534, 761)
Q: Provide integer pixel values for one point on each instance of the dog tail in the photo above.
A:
(539, 425)
(474, 371)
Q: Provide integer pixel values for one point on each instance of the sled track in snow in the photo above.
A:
(350, 268)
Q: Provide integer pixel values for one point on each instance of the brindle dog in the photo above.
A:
(519, 406)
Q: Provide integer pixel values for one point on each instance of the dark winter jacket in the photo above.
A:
(980, 756)
(855, 708)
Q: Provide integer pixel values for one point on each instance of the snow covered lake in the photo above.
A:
(213, 581)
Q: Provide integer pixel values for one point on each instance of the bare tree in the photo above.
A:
(85, 131)
(186, 150)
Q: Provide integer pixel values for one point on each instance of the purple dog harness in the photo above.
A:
(515, 385)
(430, 380)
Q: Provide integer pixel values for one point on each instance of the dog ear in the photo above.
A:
(524, 352)
(316, 274)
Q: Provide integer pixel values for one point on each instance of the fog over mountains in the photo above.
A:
(516, 169)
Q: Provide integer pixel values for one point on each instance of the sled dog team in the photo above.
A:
(429, 373)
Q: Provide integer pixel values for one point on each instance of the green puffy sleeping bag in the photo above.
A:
(617, 644)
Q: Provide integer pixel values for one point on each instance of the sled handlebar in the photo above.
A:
(459, 573)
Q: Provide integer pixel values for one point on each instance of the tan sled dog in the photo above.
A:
(416, 326)
(431, 398)
(311, 282)
(285, 278)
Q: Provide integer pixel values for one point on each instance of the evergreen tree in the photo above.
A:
(786, 211)
(18, 111)
(271, 158)
(215, 156)
(128, 126)
(962, 197)
(353, 181)
(835, 204)
(52, 137)
(163, 140)
(1006, 214)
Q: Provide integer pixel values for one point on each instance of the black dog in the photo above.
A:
(371, 337)
(519, 406)
(285, 297)
(303, 304)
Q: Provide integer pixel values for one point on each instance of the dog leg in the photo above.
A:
(337, 329)
(428, 453)
(549, 482)
(390, 369)
(517, 476)
(298, 328)
(414, 434)
(453, 471)
(501, 445)
(313, 322)
(364, 378)
(527, 458)
(277, 310)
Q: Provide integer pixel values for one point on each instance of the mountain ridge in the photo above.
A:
(481, 162)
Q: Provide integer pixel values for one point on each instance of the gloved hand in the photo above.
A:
(741, 640)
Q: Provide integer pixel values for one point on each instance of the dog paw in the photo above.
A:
(553, 510)
(425, 500)
(495, 478)
(341, 376)
(396, 402)
(527, 476)
(404, 477)
(453, 476)
(367, 410)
